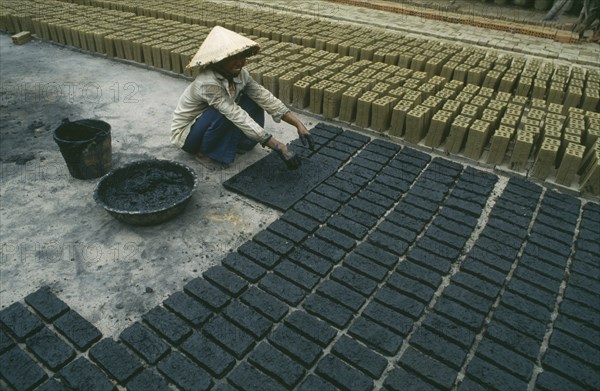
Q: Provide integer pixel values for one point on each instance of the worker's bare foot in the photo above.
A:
(209, 163)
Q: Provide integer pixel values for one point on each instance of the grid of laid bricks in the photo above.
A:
(366, 282)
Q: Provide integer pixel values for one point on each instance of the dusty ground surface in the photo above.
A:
(52, 231)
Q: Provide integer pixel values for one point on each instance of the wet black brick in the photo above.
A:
(324, 249)
(188, 308)
(419, 273)
(419, 202)
(115, 359)
(365, 266)
(498, 248)
(391, 229)
(411, 211)
(52, 351)
(354, 179)
(459, 217)
(433, 195)
(354, 280)
(442, 243)
(477, 176)
(295, 345)
(344, 185)
(400, 380)
(477, 284)
(513, 208)
(311, 327)
(551, 381)
(224, 387)
(276, 364)
(377, 254)
(552, 233)
(431, 369)
(400, 185)
(483, 271)
(562, 201)
(459, 313)
(400, 219)
(440, 348)
(244, 266)
(365, 219)
(493, 377)
(368, 207)
(400, 302)
(52, 385)
(514, 340)
(523, 186)
(323, 201)
(288, 231)
(313, 383)
(519, 200)
(401, 170)
(411, 287)
(540, 267)
(582, 282)
(276, 243)
(501, 236)
(207, 293)
(341, 294)
(312, 210)
(144, 342)
(520, 322)
(468, 298)
(580, 312)
(415, 155)
(45, 303)
(464, 206)
(532, 292)
(333, 193)
(327, 310)
(587, 233)
(20, 321)
(336, 154)
(507, 359)
(376, 198)
(387, 317)
(389, 243)
(550, 245)
(19, 370)
(228, 335)
(265, 303)
(208, 354)
(445, 166)
(184, 373)
(335, 237)
(375, 336)
(572, 369)
(449, 329)
(247, 318)
(282, 289)
(322, 129)
(588, 246)
(342, 374)
(248, 378)
(297, 274)
(363, 167)
(473, 188)
(83, 375)
(6, 342)
(574, 347)
(540, 281)
(383, 147)
(259, 254)
(148, 380)
(310, 261)
(581, 267)
(518, 220)
(299, 220)
(369, 154)
(461, 230)
(545, 255)
(493, 260)
(557, 214)
(582, 256)
(347, 226)
(343, 146)
(549, 219)
(167, 325)
(386, 191)
(436, 178)
(508, 227)
(78, 331)
(584, 297)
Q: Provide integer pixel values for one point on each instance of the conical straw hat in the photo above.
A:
(220, 44)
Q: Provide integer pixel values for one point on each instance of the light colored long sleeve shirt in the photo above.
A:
(210, 89)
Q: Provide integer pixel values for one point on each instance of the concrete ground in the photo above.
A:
(53, 234)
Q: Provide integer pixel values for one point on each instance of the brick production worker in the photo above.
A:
(222, 111)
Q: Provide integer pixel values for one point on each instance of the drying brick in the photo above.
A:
(206, 293)
(45, 303)
(208, 354)
(144, 342)
(167, 325)
(375, 336)
(115, 359)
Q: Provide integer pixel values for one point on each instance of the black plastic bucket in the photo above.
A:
(86, 147)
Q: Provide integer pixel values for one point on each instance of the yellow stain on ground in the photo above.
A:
(232, 218)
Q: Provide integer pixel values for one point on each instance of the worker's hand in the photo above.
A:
(306, 138)
(291, 160)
